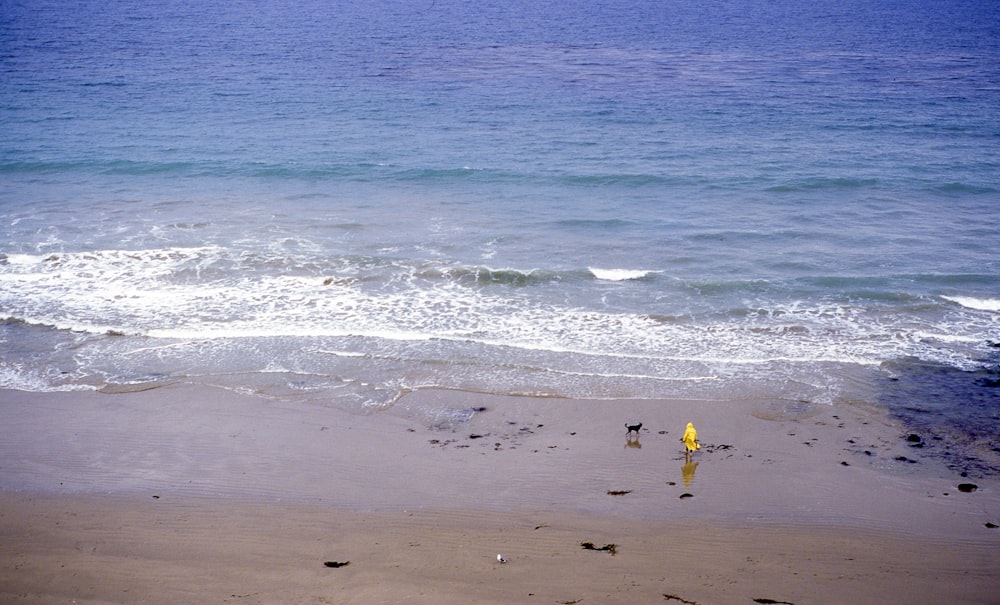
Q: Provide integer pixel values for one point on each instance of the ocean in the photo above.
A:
(339, 203)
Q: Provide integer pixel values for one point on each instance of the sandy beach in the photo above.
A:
(340, 303)
(195, 494)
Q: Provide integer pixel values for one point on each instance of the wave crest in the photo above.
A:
(618, 274)
(979, 304)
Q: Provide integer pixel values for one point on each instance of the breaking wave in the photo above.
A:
(372, 327)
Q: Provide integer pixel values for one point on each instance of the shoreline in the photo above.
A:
(784, 502)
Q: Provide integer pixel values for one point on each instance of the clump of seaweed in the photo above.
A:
(611, 548)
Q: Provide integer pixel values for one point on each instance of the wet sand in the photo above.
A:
(200, 495)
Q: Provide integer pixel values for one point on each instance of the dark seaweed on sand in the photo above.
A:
(673, 597)
(336, 564)
(611, 548)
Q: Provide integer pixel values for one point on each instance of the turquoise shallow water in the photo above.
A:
(344, 202)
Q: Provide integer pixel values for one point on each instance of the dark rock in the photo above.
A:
(337, 564)
(619, 492)
(992, 525)
(967, 487)
(686, 495)
(913, 438)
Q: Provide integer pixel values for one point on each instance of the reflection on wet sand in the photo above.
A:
(687, 472)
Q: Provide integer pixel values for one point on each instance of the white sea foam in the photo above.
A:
(25, 259)
(422, 326)
(634, 376)
(100, 299)
(19, 378)
(946, 337)
(338, 353)
(618, 274)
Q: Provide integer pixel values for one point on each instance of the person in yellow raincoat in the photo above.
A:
(690, 440)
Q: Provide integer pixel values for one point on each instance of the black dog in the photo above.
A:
(632, 428)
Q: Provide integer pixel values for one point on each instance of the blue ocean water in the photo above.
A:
(342, 202)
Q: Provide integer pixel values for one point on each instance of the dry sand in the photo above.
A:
(191, 494)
